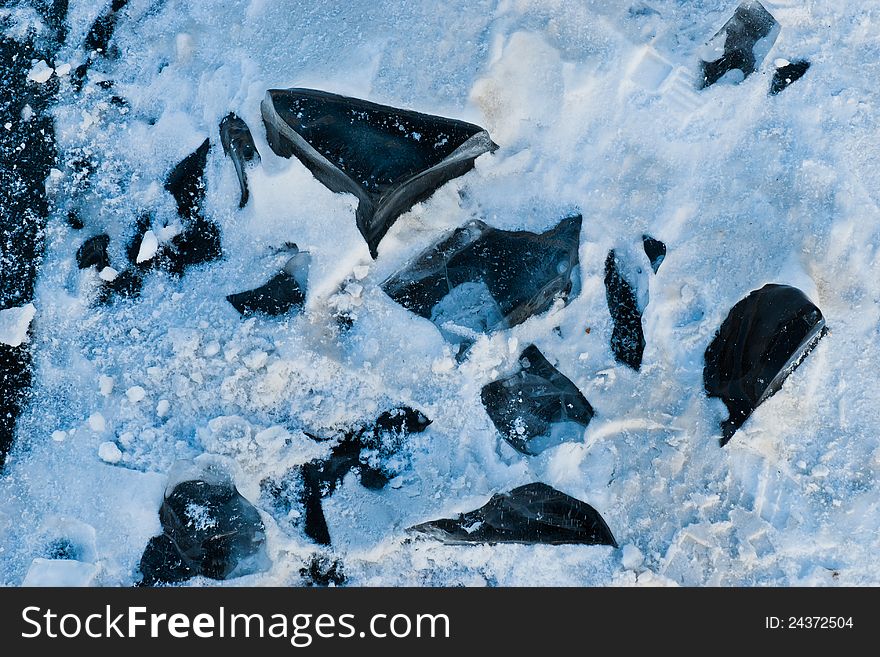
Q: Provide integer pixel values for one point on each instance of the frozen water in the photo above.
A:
(354, 451)
(596, 111)
(388, 158)
(740, 46)
(93, 253)
(536, 407)
(764, 338)
(535, 513)
(238, 144)
(788, 73)
(507, 276)
(627, 336)
(208, 529)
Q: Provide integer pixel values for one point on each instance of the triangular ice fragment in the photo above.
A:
(655, 250)
(389, 158)
(480, 279)
(763, 339)
(741, 45)
(238, 144)
(277, 297)
(536, 407)
(787, 74)
(186, 182)
(534, 513)
(284, 292)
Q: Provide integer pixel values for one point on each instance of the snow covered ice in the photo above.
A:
(597, 112)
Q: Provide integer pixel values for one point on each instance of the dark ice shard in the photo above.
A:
(15, 380)
(627, 337)
(537, 407)
(277, 297)
(389, 158)
(27, 153)
(534, 513)
(741, 44)
(208, 529)
(655, 250)
(186, 182)
(200, 240)
(481, 279)
(197, 244)
(763, 339)
(321, 477)
(74, 220)
(162, 563)
(238, 144)
(98, 37)
(284, 292)
(93, 253)
(785, 75)
(127, 284)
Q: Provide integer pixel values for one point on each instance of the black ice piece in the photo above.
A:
(534, 513)
(741, 44)
(480, 279)
(389, 158)
(536, 407)
(627, 337)
(238, 144)
(208, 529)
(764, 338)
(785, 75)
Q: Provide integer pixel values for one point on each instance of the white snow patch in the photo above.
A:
(135, 394)
(109, 452)
(14, 324)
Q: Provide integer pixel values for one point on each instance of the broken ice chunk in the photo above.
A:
(60, 572)
(537, 407)
(627, 337)
(162, 563)
(788, 73)
(200, 240)
(198, 244)
(109, 452)
(655, 250)
(186, 182)
(389, 158)
(763, 339)
(534, 513)
(481, 279)
(284, 292)
(277, 297)
(238, 143)
(93, 253)
(41, 72)
(737, 50)
(321, 477)
(209, 529)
